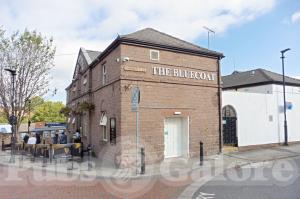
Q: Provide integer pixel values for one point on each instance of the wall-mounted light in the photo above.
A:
(112, 122)
(125, 59)
(177, 113)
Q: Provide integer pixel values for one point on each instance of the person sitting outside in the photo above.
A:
(77, 137)
(63, 138)
(32, 139)
(55, 138)
(38, 138)
(25, 139)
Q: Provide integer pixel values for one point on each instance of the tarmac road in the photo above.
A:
(273, 180)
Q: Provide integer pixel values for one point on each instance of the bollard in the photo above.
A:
(81, 150)
(3, 144)
(50, 153)
(201, 153)
(71, 149)
(143, 161)
(89, 149)
(44, 157)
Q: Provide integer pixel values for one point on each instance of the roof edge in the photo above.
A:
(146, 43)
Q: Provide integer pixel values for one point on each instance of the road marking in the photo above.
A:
(206, 196)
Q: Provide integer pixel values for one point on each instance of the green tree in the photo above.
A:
(31, 55)
(49, 112)
(3, 119)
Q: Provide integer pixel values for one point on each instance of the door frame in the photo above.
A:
(232, 114)
(184, 121)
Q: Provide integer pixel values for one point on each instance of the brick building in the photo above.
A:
(179, 85)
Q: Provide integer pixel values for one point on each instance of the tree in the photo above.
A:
(2, 117)
(49, 112)
(31, 55)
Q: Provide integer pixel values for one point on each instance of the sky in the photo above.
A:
(250, 33)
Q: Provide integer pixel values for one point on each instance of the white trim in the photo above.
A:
(106, 134)
(103, 119)
(151, 58)
(84, 80)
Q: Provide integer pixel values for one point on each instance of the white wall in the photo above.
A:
(257, 89)
(293, 116)
(254, 111)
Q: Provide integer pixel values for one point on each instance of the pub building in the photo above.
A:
(178, 103)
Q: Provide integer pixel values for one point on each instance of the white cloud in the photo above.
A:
(94, 23)
(295, 17)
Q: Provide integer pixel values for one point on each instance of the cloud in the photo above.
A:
(93, 24)
(295, 17)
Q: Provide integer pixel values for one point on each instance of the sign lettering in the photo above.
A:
(188, 74)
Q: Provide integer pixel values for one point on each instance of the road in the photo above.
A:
(272, 180)
(18, 183)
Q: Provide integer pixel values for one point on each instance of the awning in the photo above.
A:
(5, 129)
(103, 120)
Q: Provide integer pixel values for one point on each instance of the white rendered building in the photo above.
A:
(253, 114)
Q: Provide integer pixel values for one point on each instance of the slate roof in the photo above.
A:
(255, 77)
(93, 54)
(152, 36)
(90, 55)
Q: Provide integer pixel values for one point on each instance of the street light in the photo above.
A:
(12, 118)
(29, 121)
(284, 98)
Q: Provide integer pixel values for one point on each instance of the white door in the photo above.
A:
(173, 137)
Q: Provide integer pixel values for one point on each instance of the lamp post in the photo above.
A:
(29, 121)
(12, 118)
(284, 98)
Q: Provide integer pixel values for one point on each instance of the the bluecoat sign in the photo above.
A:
(188, 74)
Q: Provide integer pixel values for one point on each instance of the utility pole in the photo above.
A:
(208, 34)
(13, 118)
(284, 98)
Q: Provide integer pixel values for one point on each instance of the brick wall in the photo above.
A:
(161, 96)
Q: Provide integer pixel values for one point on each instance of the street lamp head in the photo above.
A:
(283, 51)
(13, 72)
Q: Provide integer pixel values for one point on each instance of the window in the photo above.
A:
(104, 133)
(74, 89)
(270, 118)
(103, 122)
(84, 80)
(154, 55)
(113, 134)
(104, 74)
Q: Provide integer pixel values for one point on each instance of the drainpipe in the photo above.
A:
(220, 107)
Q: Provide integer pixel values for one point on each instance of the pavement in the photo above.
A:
(173, 178)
